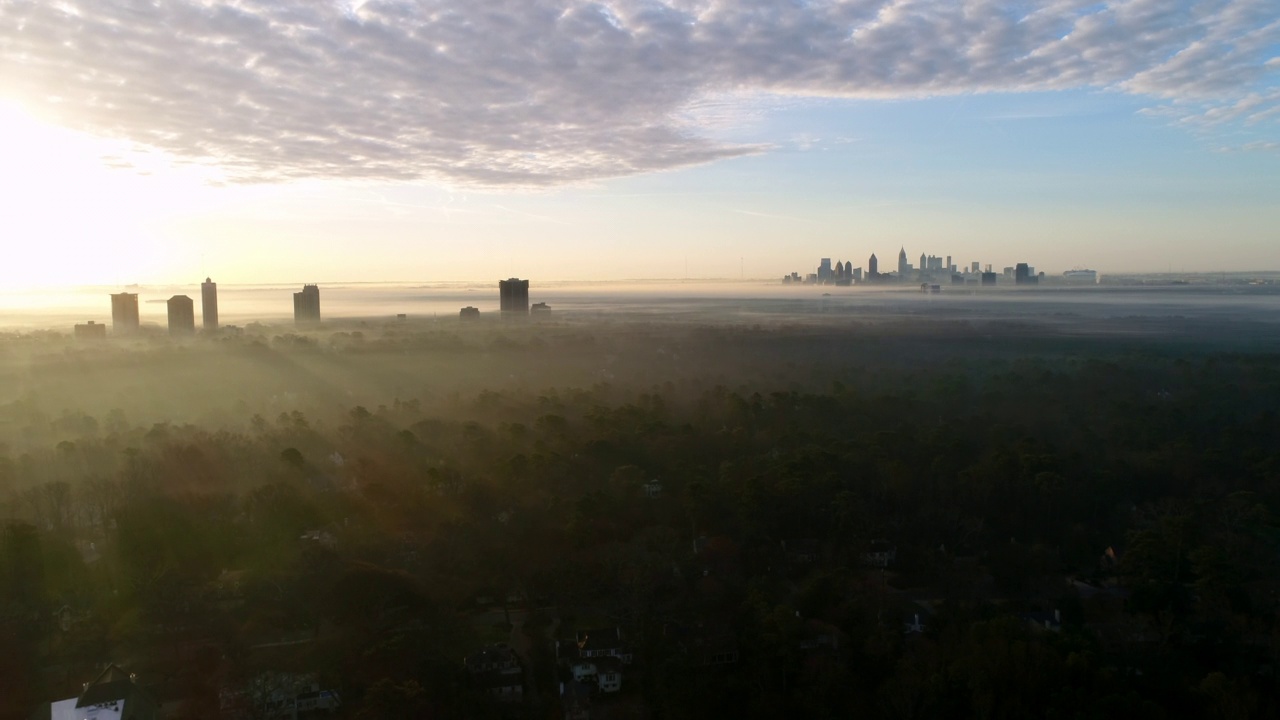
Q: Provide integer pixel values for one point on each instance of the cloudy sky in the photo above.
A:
(278, 141)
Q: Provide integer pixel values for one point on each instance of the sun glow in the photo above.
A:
(77, 209)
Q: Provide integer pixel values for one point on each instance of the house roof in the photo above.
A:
(607, 664)
(808, 545)
(112, 694)
(600, 639)
(496, 679)
(493, 654)
(111, 684)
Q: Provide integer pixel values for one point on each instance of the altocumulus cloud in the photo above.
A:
(540, 92)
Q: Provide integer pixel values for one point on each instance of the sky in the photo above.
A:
(438, 140)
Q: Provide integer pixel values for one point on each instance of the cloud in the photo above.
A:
(1264, 146)
(1250, 109)
(543, 92)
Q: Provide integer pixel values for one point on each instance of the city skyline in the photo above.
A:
(355, 143)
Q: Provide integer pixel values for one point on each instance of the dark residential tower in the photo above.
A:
(514, 295)
(209, 304)
(124, 313)
(306, 305)
(182, 315)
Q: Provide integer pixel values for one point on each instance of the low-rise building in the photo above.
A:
(91, 331)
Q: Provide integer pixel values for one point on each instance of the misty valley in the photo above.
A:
(659, 515)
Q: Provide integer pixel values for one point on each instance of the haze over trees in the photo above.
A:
(1082, 526)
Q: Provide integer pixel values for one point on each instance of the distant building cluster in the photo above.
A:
(931, 273)
(180, 309)
(513, 301)
(513, 297)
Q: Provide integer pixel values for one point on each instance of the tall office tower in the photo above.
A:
(839, 271)
(855, 274)
(824, 270)
(182, 315)
(950, 267)
(974, 268)
(873, 266)
(924, 262)
(124, 312)
(513, 294)
(1021, 274)
(902, 261)
(306, 305)
(209, 304)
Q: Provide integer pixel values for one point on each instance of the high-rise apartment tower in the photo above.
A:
(182, 315)
(124, 313)
(513, 294)
(306, 305)
(209, 304)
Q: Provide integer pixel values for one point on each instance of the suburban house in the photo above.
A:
(501, 685)
(820, 637)
(497, 672)
(880, 553)
(596, 657)
(609, 674)
(604, 642)
(913, 626)
(803, 551)
(604, 673)
(316, 701)
(704, 646)
(715, 650)
(583, 671)
(1051, 621)
(494, 657)
(280, 696)
(112, 695)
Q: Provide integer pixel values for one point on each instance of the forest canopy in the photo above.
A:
(1078, 524)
